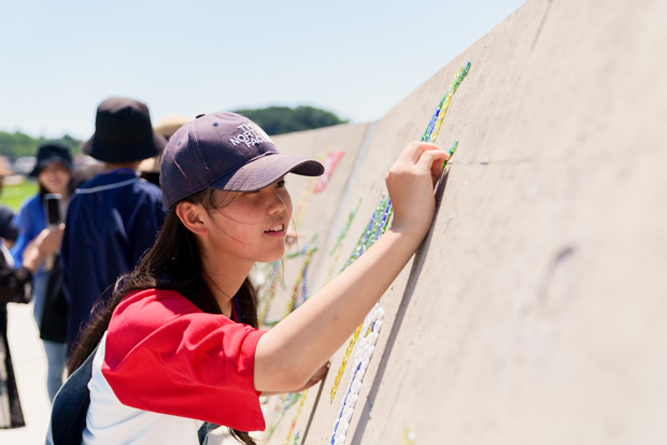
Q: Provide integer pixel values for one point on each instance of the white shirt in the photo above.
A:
(110, 422)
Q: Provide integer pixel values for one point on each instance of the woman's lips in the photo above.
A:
(278, 231)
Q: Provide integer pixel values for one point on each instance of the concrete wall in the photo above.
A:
(535, 312)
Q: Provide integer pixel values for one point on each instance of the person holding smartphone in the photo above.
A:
(47, 208)
(14, 288)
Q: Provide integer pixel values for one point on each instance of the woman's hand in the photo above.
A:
(410, 182)
(50, 239)
(44, 244)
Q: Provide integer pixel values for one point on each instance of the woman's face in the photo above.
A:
(252, 225)
(54, 178)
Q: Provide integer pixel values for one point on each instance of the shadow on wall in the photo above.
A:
(413, 279)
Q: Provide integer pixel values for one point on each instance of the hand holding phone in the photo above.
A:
(53, 220)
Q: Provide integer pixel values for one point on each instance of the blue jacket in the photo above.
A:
(111, 221)
(31, 220)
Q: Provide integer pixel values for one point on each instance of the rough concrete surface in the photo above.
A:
(535, 312)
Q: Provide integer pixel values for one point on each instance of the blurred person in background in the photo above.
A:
(9, 231)
(149, 169)
(113, 218)
(15, 288)
(53, 171)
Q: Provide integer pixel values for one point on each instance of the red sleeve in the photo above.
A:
(165, 355)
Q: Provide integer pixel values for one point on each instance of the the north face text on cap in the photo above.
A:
(252, 135)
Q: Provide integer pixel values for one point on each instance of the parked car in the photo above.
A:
(24, 165)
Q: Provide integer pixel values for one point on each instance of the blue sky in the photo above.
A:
(357, 59)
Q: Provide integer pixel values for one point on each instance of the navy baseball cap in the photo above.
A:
(224, 151)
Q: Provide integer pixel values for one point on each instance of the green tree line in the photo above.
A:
(280, 120)
(274, 120)
(15, 145)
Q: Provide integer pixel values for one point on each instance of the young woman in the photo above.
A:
(53, 173)
(14, 289)
(179, 344)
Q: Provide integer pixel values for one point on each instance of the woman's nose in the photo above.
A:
(276, 202)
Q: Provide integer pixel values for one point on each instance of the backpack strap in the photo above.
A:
(70, 406)
(206, 428)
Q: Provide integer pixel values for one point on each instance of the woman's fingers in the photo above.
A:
(413, 151)
(410, 183)
(431, 161)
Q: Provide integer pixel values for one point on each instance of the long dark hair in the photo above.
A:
(173, 263)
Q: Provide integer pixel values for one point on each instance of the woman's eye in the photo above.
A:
(280, 184)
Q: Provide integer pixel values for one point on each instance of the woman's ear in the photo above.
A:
(193, 216)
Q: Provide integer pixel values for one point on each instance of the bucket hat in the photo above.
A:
(224, 151)
(51, 152)
(123, 132)
(150, 167)
(168, 126)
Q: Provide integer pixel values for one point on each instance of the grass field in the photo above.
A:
(13, 195)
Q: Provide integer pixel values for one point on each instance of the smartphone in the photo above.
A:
(52, 201)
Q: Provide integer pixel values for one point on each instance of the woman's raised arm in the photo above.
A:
(296, 348)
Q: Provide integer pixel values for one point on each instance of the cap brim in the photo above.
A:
(266, 170)
(52, 160)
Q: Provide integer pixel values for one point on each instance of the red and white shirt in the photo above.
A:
(164, 367)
